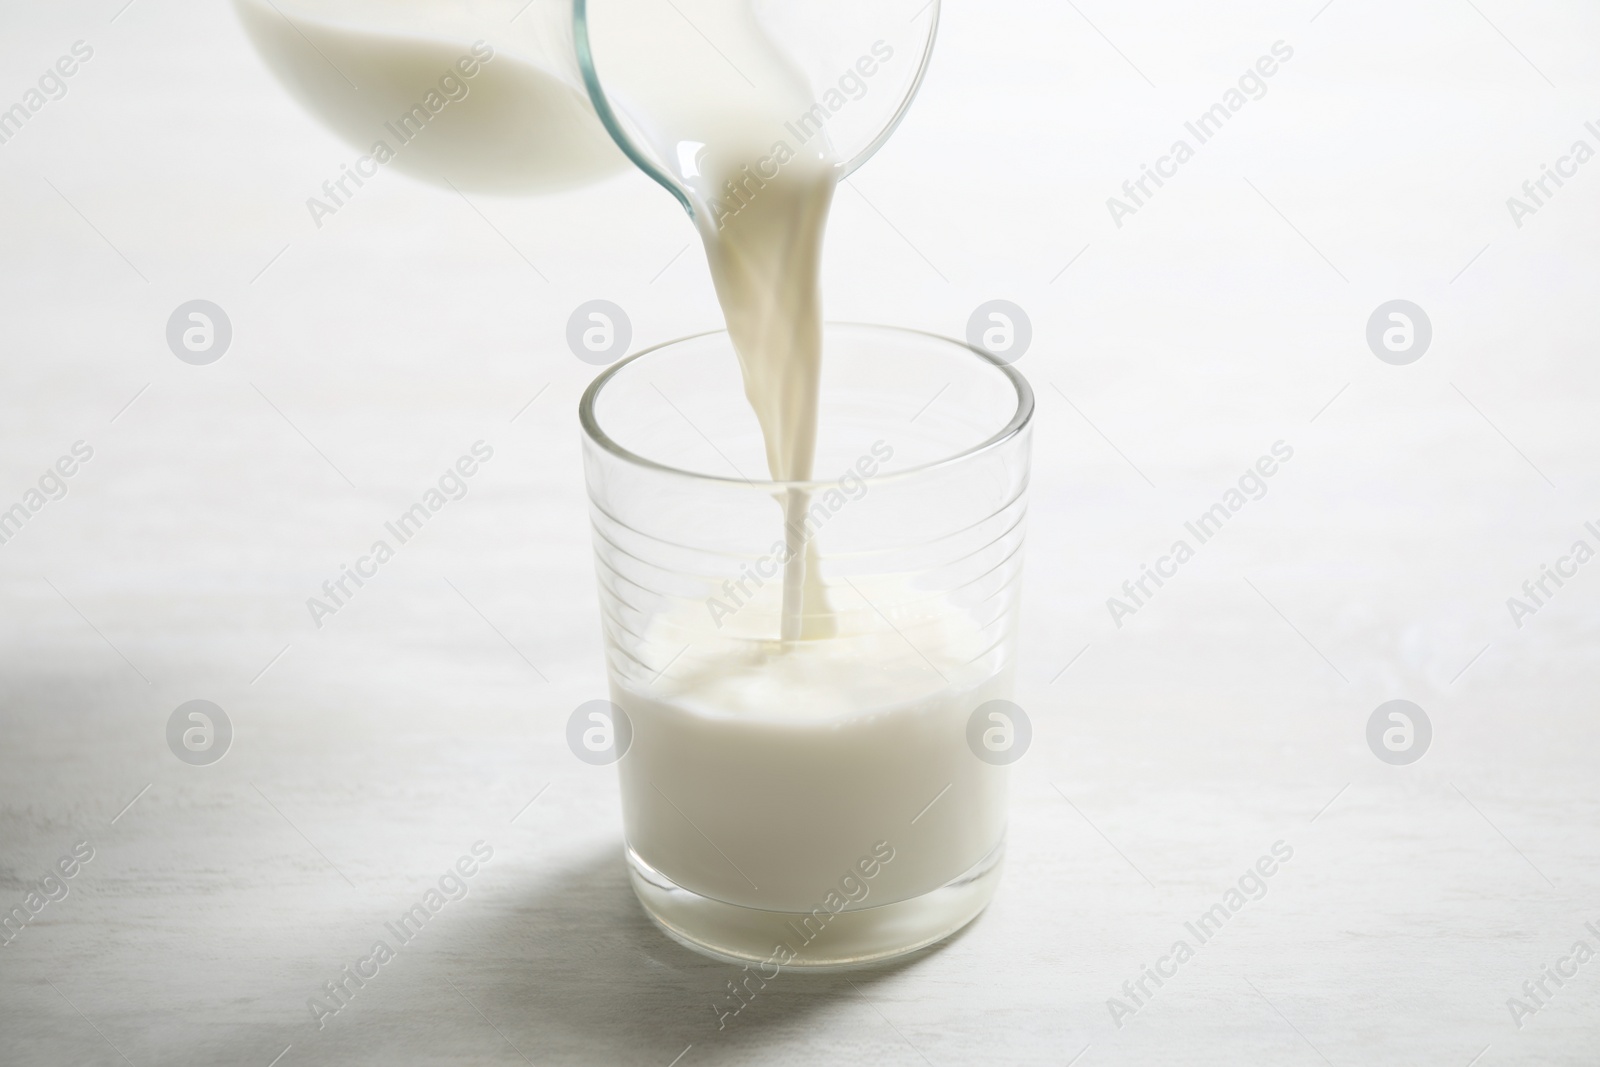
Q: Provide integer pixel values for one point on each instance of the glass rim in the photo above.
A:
(1019, 421)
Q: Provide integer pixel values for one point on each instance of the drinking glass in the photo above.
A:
(834, 799)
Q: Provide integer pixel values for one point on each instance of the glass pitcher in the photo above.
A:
(534, 96)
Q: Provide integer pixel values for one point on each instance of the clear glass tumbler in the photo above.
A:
(826, 800)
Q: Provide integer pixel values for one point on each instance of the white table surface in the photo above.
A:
(1228, 715)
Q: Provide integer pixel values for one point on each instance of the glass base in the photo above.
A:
(852, 938)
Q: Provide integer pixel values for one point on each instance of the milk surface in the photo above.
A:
(760, 770)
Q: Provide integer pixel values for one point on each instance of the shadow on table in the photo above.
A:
(577, 974)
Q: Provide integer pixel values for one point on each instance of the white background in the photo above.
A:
(1227, 314)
